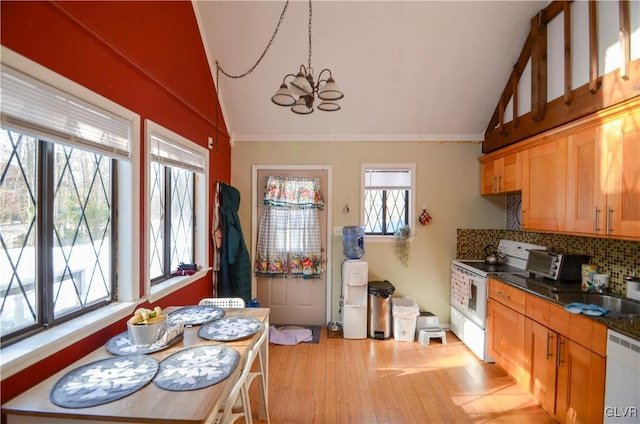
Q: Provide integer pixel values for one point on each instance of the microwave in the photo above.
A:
(559, 266)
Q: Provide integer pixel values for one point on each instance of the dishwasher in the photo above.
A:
(622, 387)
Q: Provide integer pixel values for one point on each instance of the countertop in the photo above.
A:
(552, 291)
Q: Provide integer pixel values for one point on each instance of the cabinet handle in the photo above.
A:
(494, 184)
(549, 337)
(499, 182)
(595, 221)
(506, 296)
(559, 355)
(609, 211)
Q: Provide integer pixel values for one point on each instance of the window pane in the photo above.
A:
(181, 217)
(156, 207)
(81, 229)
(385, 211)
(17, 231)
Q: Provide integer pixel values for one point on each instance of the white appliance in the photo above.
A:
(622, 386)
(355, 294)
(469, 293)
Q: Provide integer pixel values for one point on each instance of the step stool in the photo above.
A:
(426, 334)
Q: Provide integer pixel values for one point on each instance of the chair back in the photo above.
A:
(223, 302)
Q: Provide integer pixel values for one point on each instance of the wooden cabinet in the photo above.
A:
(501, 175)
(585, 177)
(603, 185)
(505, 322)
(541, 347)
(557, 356)
(580, 386)
(544, 171)
(622, 213)
(506, 340)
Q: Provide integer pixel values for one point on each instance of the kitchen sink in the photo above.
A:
(613, 304)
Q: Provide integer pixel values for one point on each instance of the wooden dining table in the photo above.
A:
(150, 403)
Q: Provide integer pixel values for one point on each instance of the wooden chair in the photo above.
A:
(223, 302)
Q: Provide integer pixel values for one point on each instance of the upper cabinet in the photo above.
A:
(603, 178)
(544, 170)
(501, 175)
(581, 178)
(622, 139)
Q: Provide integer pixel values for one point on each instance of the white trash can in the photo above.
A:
(405, 313)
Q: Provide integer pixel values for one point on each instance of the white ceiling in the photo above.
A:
(409, 70)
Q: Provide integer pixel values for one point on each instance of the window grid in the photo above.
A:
(56, 199)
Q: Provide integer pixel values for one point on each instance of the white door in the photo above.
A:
(292, 300)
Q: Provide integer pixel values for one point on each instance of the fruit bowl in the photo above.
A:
(146, 334)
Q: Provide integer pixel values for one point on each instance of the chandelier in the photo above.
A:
(305, 89)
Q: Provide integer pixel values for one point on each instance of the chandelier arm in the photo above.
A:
(320, 76)
(273, 36)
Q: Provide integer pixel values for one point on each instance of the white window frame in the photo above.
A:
(201, 200)
(30, 350)
(411, 167)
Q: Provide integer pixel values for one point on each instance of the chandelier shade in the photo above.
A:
(330, 91)
(329, 106)
(303, 106)
(283, 96)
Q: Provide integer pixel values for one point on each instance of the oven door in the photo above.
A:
(469, 295)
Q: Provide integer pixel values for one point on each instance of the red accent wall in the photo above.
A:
(146, 56)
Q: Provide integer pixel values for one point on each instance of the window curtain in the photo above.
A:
(289, 229)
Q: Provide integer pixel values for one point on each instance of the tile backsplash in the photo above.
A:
(616, 258)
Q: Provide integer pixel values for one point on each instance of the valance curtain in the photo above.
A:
(289, 229)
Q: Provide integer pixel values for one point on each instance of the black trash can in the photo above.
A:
(379, 311)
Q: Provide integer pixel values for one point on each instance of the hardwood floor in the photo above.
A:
(384, 381)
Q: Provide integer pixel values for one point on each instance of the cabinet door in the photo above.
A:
(544, 172)
(489, 176)
(541, 348)
(586, 184)
(623, 145)
(581, 380)
(511, 173)
(505, 335)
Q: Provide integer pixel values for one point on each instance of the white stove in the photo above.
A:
(469, 293)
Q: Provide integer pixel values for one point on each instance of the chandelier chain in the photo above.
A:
(310, 16)
(273, 36)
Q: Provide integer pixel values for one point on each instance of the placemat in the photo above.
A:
(196, 314)
(121, 345)
(229, 329)
(103, 381)
(196, 368)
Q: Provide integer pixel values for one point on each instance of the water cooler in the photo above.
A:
(355, 274)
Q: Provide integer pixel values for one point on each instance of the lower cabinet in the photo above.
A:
(581, 381)
(541, 347)
(565, 377)
(506, 340)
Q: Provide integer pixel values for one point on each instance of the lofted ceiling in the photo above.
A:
(409, 70)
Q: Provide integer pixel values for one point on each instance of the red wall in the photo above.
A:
(146, 56)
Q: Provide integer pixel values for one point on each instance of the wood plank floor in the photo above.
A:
(384, 381)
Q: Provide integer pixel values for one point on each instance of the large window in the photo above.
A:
(59, 164)
(176, 168)
(388, 199)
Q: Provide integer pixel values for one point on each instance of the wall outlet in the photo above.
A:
(210, 141)
(337, 231)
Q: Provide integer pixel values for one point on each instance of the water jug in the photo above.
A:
(353, 242)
